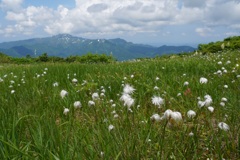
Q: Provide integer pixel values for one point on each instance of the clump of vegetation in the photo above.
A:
(230, 43)
(178, 107)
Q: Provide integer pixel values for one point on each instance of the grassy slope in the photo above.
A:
(34, 126)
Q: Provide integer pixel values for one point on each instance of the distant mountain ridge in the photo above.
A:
(64, 45)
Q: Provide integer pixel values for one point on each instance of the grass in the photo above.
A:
(33, 125)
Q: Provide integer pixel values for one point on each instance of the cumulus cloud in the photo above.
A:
(130, 16)
(192, 3)
(204, 31)
(14, 5)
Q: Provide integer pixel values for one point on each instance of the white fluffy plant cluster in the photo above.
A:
(126, 97)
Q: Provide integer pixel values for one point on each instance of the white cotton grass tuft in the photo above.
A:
(223, 126)
(74, 80)
(191, 134)
(167, 114)
(222, 104)
(208, 100)
(110, 127)
(176, 116)
(65, 111)
(128, 101)
(12, 91)
(77, 104)
(156, 117)
(91, 103)
(203, 80)
(128, 89)
(186, 83)
(158, 101)
(224, 99)
(63, 93)
(211, 109)
(95, 96)
(191, 114)
(172, 116)
(55, 84)
(201, 104)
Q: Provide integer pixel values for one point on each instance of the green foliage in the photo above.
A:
(43, 58)
(230, 43)
(35, 127)
(95, 58)
(4, 58)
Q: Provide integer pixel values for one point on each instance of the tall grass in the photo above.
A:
(33, 125)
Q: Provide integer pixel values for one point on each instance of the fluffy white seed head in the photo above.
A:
(191, 114)
(223, 126)
(77, 104)
(63, 93)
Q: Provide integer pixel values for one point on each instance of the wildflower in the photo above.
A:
(102, 154)
(77, 104)
(157, 78)
(155, 117)
(102, 95)
(63, 93)
(91, 103)
(95, 96)
(210, 108)
(115, 116)
(179, 94)
(55, 84)
(203, 80)
(208, 100)
(191, 114)
(65, 111)
(158, 101)
(110, 127)
(132, 76)
(167, 114)
(128, 89)
(113, 105)
(156, 88)
(103, 90)
(191, 134)
(176, 116)
(186, 83)
(224, 99)
(129, 102)
(201, 104)
(219, 62)
(222, 104)
(12, 91)
(74, 80)
(225, 86)
(223, 126)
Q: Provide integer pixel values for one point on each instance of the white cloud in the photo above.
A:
(11, 4)
(204, 31)
(104, 17)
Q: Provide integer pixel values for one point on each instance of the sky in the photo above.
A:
(154, 22)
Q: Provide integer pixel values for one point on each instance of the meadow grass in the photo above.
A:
(34, 125)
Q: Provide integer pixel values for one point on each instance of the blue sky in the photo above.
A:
(155, 22)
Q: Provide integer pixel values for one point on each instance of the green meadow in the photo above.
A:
(39, 118)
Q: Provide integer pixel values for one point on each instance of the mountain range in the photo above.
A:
(64, 45)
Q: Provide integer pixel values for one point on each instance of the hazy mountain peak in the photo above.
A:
(64, 45)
